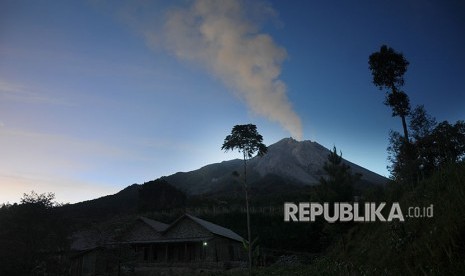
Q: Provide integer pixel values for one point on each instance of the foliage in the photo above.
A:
(339, 185)
(32, 236)
(388, 68)
(246, 139)
(399, 102)
(400, 156)
(419, 246)
(45, 200)
(421, 124)
(448, 143)
(433, 146)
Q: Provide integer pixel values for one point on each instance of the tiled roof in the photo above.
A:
(156, 225)
(216, 229)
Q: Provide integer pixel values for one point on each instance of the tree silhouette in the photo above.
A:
(432, 146)
(388, 68)
(337, 186)
(340, 180)
(33, 237)
(421, 123)
(449, 143)
(247, 140)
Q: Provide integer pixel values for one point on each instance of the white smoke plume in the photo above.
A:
(220, 36)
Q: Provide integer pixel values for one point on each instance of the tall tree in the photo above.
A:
(247, 140)
(337, 186)
(421, 127)
(340, 180)
(388, 68)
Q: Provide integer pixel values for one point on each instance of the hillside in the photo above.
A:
(123, 202)
(284, 173)
(154, 195)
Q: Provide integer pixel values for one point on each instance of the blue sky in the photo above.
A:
(98, 95)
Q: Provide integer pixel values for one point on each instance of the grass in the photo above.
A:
(418, 246)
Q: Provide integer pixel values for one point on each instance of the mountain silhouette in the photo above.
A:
(300, 163)
(288, 166)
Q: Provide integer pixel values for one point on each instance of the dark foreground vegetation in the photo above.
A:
(35, 234)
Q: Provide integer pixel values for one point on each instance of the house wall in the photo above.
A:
(170, 252)
(89, 263)
(217, 249)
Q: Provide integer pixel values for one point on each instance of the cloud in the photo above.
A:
(224, 37)
(22, 93)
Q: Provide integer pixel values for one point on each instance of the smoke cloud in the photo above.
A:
(222, 36)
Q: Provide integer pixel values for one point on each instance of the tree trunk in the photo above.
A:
(404, 122)
(404, 125)
(249, 232)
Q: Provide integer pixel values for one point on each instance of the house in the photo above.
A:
(187, 242)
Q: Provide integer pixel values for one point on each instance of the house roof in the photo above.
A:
(156, 225)
(90, 239)
(211, 227)
(216, 229)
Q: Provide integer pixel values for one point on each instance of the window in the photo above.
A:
(154, 252)
(146, 253)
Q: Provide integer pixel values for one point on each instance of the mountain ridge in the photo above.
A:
(287, 163)
(299, 161)
(288, 170)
